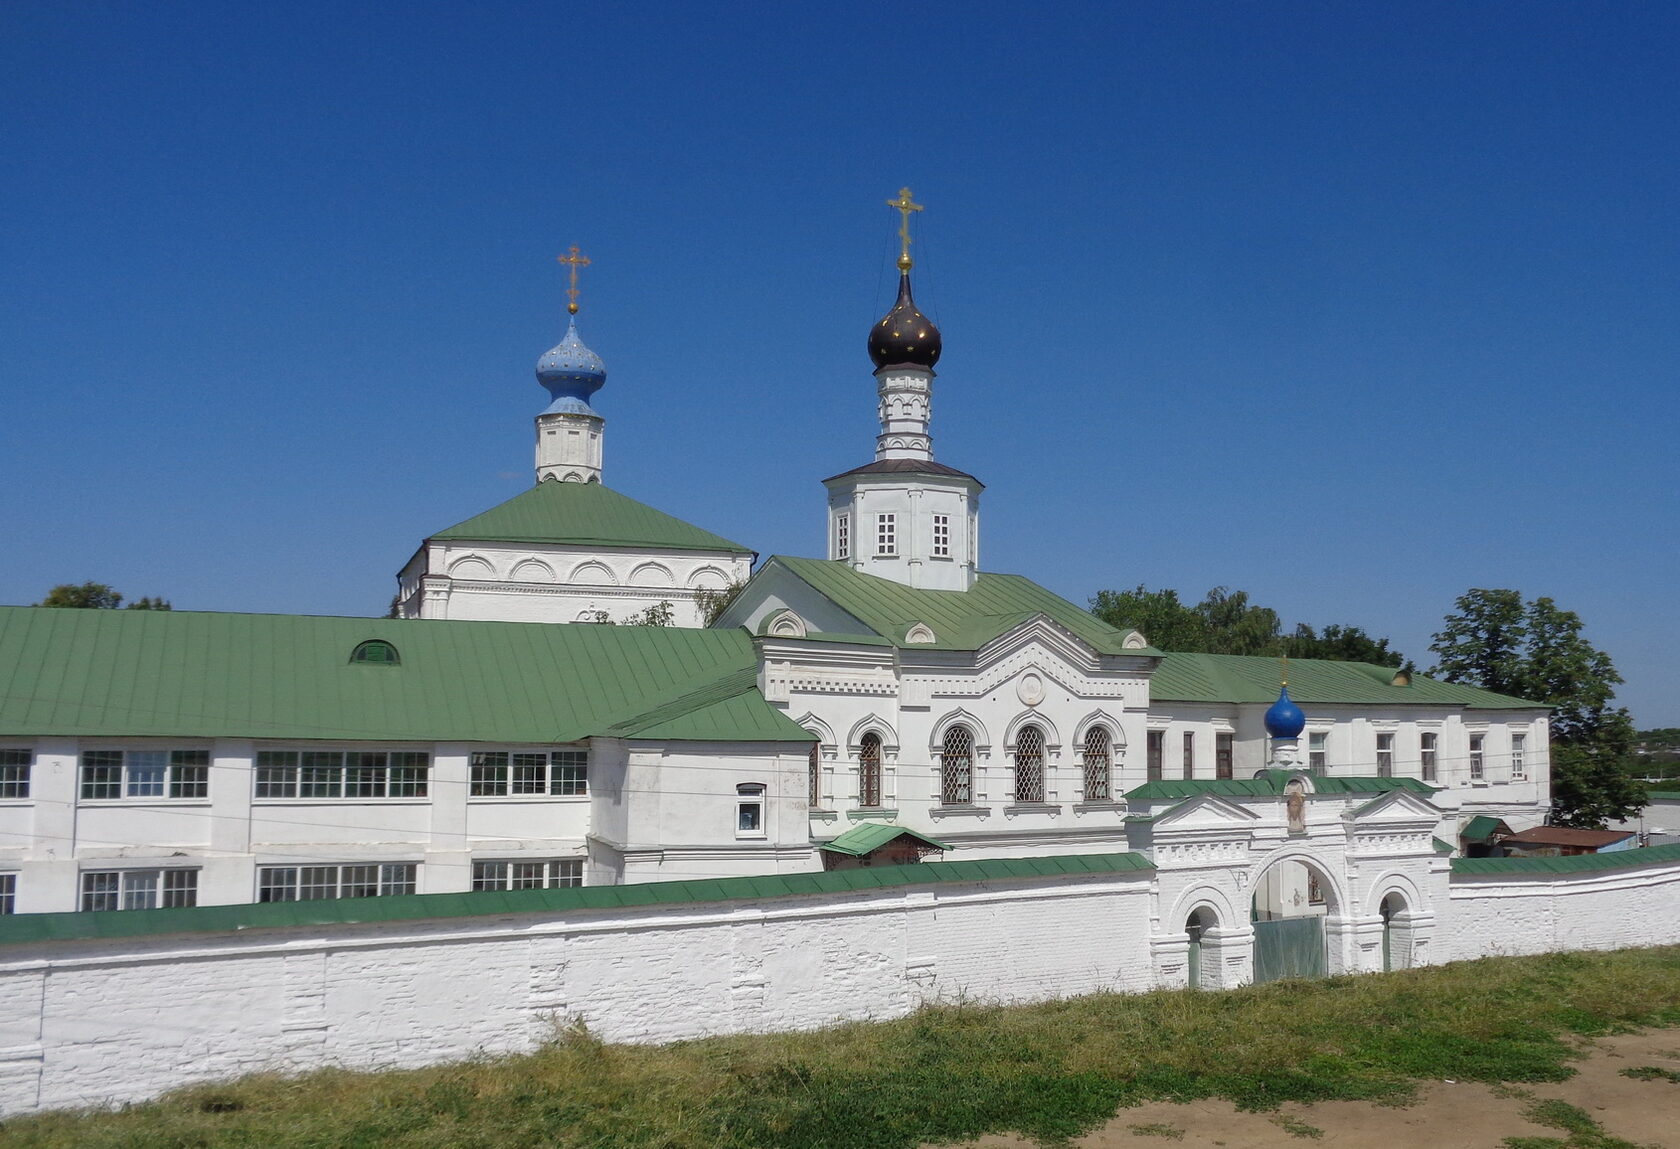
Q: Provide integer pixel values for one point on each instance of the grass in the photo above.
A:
(1584, 1132)
(946, 1073)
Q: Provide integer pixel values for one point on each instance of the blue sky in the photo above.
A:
(1350, 306)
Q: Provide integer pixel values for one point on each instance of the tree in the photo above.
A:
(1225, 622)
(96, 596)
(1534, 650)
(659, 614)
(713, 603)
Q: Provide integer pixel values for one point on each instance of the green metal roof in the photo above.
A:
(1663, 795)
(585, 514)
(1253, 678)
(1271, 784)
(1481, 828)
(1443, 847)
(868, 836)
(22, 928)
(959, 619)
(1575, 864)
(191, 674)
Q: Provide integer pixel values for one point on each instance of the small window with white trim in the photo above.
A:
(138, 889)
(1519, 753)
(1385, 755)
(326, 883)
(1428, 752)
(8, 893)
(942, 536)
(14, 773)
(886, 535)
(111, 774)
(842, 536)
(539, 874)
(1477, 762)
(1318, 754)
(749, 810)
(501, 773)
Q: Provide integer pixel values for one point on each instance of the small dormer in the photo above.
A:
(375, 652)
(919, 634)
(785, 624)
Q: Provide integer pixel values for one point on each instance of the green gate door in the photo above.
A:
(1289, 947)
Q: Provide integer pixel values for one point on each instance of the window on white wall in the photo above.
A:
(1318, 757)
(956, 767)
(1098, 763)
(1519, 755)
(8, 893)
(1385, 755)
(1029, 765)
(138, 889)
(886, 534)
(14, 773)
(341, 774)
(749, 810)
(1189, 753)
(324, 883)
(1428, 754)
(1477, 765)
(942, 536)
(1224, 755)
(145, 774)
(541, 874)
(869, 771)
(1156, 753)
(558, 773)
(842, 536)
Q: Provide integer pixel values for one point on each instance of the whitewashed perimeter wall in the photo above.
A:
(1491, 914)
(101, 1022)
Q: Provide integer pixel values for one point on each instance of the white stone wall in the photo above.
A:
(1489, 914)
(105, 1022)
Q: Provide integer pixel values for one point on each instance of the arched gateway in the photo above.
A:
(1292, 900)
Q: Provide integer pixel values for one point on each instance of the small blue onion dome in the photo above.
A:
(905, 336)
(572, 373)
(1284, 719)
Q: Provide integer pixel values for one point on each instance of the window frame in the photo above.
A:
(1429, 751)
(555, 874)
(956, 766)
(1519, 754)
(1155, 755)
(886, 535)
(1029, 789)
(391, 879)
(941, 536)
(1478, 757)
(1318, 751)
(1097, 764)
(869, 771)
(1385, 753)
(1224, 754)
(122, 774)
(339, 774)
(17, 766)
(750, 810)
(8, 892)
(843, 536)
(520, 776)
(1189, 760)
(164, 887)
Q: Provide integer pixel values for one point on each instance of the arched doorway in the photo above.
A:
(1396, 953)
(1292, 898)
(1196, 926)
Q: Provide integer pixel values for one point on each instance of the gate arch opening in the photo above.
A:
(1196, 926)
(1292, 900)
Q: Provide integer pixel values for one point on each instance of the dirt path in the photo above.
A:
(1445, 1116)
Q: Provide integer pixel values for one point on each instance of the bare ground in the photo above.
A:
(1446, 1115)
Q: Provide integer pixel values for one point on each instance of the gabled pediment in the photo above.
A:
(1396, 806)
(1045, 637)
(1205, 811)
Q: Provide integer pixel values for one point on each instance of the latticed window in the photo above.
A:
(1098, 763)
(941, 536)
(1029, 765)
(813, 779)
(886, 534)
(956, 767)
(869, 770)
(843, 537)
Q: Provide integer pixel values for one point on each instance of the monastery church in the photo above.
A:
(887, 702)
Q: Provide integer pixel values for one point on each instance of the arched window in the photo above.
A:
(1098, 762)
(869, 770)
(376, 651)
(956, 767)
(1029, 765)
(813, 779)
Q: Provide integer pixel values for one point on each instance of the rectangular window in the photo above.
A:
(1428, 756)
(8, 893)
(843, 536)
(1476, 765)
(1385, 755)
(942, 536)
(324, 883)
(138, 889)
(497, 773)
(886, 534)
(14, 773)
(145, 774)
(1157, 753)
(1519, 750)
(357, 774)
(1318, 757)
(1224, 754)
(544, 874)
(749, 810)
(1189, 754)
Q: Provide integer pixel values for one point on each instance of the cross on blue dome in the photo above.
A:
(1284, 719)
(572, 373)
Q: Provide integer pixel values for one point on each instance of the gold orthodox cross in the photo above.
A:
(905, 206)
(575, 261)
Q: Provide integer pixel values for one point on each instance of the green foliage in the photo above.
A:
(1652, 1073)
(946, 1073)
(1536, 651)
(97, 596)
(713, 603)
(1225, 622)
(1584, 1132)
(659, 614)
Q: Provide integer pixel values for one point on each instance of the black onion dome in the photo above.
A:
(905, 335)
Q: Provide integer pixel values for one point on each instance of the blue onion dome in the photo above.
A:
(572, 373)
(905, 335)
(1284, 719)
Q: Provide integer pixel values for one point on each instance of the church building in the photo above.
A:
(887, 701)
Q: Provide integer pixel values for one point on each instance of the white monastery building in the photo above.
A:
(889, 701)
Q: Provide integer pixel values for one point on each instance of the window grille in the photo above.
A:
(375, 651)
(843, 536)
(956, 768)
(1427, 754)
(544, 874)
(813, 780)
(1385, 756)
(1029, 765)
(1318, 757)
(869, 770)
(886, 534)
(14, 774)
(1476, 767)
(942, 536)
(1097, 765)
(1224, 755)
(1156, 753)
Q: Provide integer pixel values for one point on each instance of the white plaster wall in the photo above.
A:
(107, 1022)
(1490, 914)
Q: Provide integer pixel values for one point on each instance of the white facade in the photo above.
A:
(569, 447)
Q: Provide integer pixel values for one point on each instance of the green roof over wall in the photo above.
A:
(189, 674)
(1251, 678)
(1271, 785)
(867, 836)
(959, 619)
(21, 928)
(585, 514)
(1576, 864)
(1481, 828)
